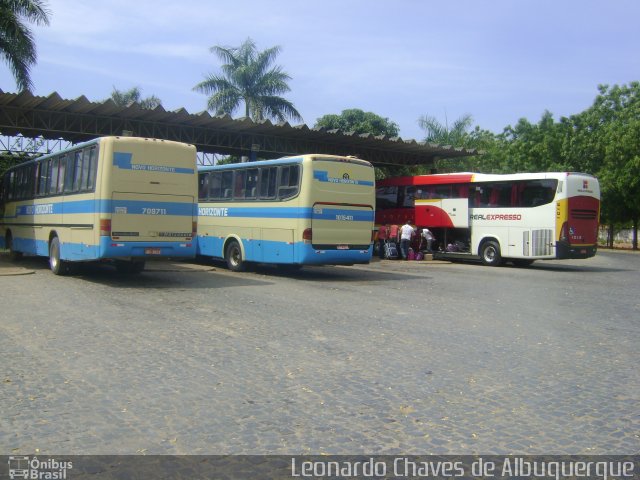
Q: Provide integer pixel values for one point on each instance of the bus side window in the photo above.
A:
(251, 183)
(538, 192)
(70, 172)
(77, 177)
(11, 183)
(288, 186)
(387, 197)
(34, 173)
(215, 185)
(268, 177)
(442, 191)
(407, 196)
(62, 168)
(227, 185)
(203, 186)
(462, 191)
(43, 180)
(53, 178)
(93, 168)
(240, 179)
(18, 184)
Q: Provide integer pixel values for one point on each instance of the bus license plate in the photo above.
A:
(343, 247)
(152, 251)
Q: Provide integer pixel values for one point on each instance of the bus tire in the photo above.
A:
(14, 255)
(490, 253)
(233, 256)
(58, 266)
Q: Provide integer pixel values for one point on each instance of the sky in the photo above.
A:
(497, 60)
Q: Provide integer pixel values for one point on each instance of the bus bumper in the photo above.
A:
(308, 255)
(113, 249)
(565, 251)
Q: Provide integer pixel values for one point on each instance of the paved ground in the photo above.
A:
(394, 357)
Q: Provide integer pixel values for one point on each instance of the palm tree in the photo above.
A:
(17, 46)
(133, 96)
(442, 134)
(247, 77)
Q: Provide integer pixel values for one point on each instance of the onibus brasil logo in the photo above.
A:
(33, 468)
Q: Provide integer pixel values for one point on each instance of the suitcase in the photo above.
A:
(390, 251)
(411, 255)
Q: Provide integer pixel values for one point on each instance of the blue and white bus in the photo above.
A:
(121, 199)
(304, 210)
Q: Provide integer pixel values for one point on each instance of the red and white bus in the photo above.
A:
(495, 218)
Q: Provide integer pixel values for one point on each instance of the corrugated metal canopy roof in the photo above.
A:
(53, 117)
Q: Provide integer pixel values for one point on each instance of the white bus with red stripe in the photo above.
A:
(495, 218)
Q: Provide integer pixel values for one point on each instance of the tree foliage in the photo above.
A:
(248, 77)
(133, 96)
(17, 45)
(458, 134)
(443, 134)
(361, 122)
(358, 121)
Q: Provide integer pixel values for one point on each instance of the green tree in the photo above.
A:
(133, 96)
(358, 121)
(458, 134)
(247, 77)
(535, 147)
(361, 122)
(443, 134)
(17, 45)
(618, 110)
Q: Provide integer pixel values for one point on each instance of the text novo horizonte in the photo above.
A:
(213, 212)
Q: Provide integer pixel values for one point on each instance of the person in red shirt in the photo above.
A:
(393, 233)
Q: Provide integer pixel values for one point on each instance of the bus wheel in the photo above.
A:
(233, 257)
(490, 253)
(13, 254)
(58, 267)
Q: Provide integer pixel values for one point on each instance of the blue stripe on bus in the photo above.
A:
(268, 251)
(107, 248)
(323, 176)
(134, 207)
(323, 213)
(122, 160)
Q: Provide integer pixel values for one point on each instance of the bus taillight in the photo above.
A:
(307, 235)
(194, 229)
(105, 227)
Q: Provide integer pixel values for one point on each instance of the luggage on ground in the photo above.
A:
(390, 251)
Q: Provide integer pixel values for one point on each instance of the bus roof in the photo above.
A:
(468, 177)
(284, 161)
(81, 145)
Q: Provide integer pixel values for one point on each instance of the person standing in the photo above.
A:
(406, 233)
(429, 238)
(394, 233)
